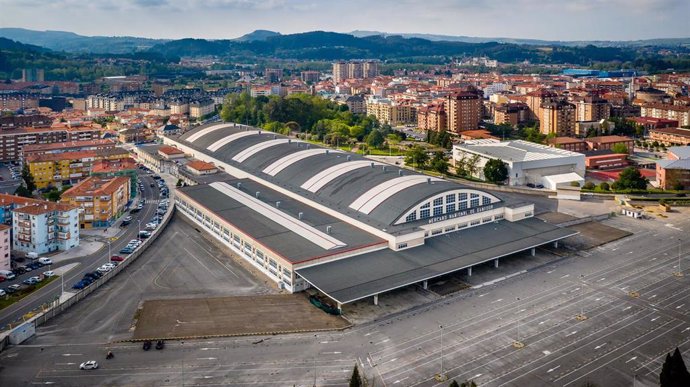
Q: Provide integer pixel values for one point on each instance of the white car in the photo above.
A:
(88, 365)
(48, 273)
(2, 292)
(104, 269)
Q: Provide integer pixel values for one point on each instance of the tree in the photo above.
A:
(453, 384)
(619, 148)
(673, 371)
(496, 171)
(417, 156)
(355, 379)
(439, 163)
(604, 186)
(28, 178)
(375, 139)
(631, 178)
(23, 191)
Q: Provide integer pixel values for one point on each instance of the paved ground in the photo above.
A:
(594, 234)
(623, 337)
(231, 316)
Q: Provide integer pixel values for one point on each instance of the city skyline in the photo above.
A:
(224, 19)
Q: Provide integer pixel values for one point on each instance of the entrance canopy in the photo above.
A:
(365, 275)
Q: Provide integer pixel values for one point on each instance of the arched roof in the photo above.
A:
(371, 191)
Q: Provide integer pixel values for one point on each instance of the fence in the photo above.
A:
(56, 307)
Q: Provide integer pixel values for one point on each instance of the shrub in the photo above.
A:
(604, 186)
(588, 185)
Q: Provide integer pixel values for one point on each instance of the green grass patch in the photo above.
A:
(10, 299)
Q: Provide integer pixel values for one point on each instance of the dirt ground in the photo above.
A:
(231, 316)
(594, 234)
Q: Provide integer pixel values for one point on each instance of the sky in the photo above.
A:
(223, 19)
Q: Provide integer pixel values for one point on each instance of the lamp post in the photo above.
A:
(139, 228)
(517, 343)
(581, 316)
(315, 351)
(107, 259)
(441, 377)
(679, 273)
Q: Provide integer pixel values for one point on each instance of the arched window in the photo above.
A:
(447, 203)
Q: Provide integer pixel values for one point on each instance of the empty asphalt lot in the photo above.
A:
(624, 337)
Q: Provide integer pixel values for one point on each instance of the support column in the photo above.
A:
(555, 244)
(425, 284)
(533, 251)
(469, 271)
(496, 263)
(340, 308)
(376, 299)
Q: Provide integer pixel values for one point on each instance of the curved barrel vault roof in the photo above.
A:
(368, 190)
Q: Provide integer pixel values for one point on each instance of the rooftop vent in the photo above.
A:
(278, 204)
(300, 215)
(349, 157)
(239, 185)
(257, 194)
(428, 180)
(400, 172)
(328, 229)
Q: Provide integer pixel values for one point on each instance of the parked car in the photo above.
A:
(79, 285)
(8, 275)
(30, 281)
(19, 270)
(144, 234)
(160, 344)
(88, 365)
(36, 278)
(147, 345)
(530, 185)
(116, 258)
(13, 288)
(134, 210)
(48, 273)
(2, 292)
(45, 261)
(127, 250)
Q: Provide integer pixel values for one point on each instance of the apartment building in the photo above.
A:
(28, 121)
(273, 75)
(432, 117)
(674, 172)
(310, 76)
(12, 141)
(202, 107)
(536, 98)
(100, 200)
(608, 142)
(464, 110)
(70, 146)
(127, 167)
(5, 243)
(669, 112)
(592, 108)
(390, 112)
(355, 70)
(43, 226)
(557, 118)
(67, 168)
(511, 113)
(670, 136)
(356, 104)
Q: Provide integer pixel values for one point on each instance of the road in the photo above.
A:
(48, 293)
(623, 336)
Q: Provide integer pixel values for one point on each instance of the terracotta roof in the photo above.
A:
(200, 165)
(96, 186)
(4, 227)
(565, 140)
(65, 145)
(170, 150)
(43, 207)
(105, 165)
(608, 139)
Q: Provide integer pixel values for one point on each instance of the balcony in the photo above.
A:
(24, 238)
(63, 221)
(63, 235)
(24, 224)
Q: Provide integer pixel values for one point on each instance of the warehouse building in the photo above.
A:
(308, 216)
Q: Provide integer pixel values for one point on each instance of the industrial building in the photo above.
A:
(308, 216)
(528, 163)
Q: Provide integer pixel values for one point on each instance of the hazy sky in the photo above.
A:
(215, 19)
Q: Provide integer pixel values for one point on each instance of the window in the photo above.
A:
(485, 201)
(450, 208)
(438, 201)
(474, 196)
(474, 222)
(463, 206)
(411, 217)
(463, 196)
(498, 217)
(437, 231)
(402, 245)
(423, 214)
(438, 210)
(272, 263)
(486, 220)
(427, 205)
(474, 202)
(450, 198)
(449, 229)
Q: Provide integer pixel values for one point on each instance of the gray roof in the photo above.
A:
(338, 194)
(674, 164)
(348, 280)
(517, 150)
(683, 152)
(274, 236)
